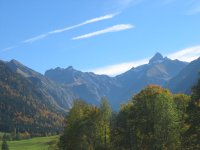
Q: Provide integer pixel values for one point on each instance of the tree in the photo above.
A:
(13, 134)
(193, 133)
(156, 122)
(105, 117)
(72, 137)
(182, 102)
(4, 144)
(122, 128)
(81, 128)
(18, 136)
(149, 121)
(87, 127)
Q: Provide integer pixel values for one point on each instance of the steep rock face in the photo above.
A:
(57, 95)
(185, 79)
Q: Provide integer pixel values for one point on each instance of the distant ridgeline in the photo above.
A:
(36, 103)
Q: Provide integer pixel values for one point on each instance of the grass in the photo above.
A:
(40, 143)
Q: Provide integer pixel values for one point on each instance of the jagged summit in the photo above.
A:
(59, 69)
(156, 58)
(70, 68)
(13, 61)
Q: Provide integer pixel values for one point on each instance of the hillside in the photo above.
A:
(56, 94)
(186, 78)
(22, 106)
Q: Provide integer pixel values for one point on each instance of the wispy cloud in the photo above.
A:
(8, 48)
(36, 38)
(116, 69)
(115, 28)
(56, 31)
(187, 54)
(39, 37)
(109, 16)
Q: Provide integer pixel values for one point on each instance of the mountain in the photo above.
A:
(30, 101)
(119, 89)
(61, 86)
(85, 85)
(57, 95)
(156, 58)
(24, 107)
(158, 71)
(186, 78)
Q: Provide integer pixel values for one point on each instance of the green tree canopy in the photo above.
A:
(156, 123)
(182, 102)
(122, 128)
(87, 127)
(154, 119)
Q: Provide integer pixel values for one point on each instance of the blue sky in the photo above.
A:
(103, 36)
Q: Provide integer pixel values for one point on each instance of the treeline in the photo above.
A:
(154, 119)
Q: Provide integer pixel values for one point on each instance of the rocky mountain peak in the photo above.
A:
(70, 68)
(156, 58)
(15, 62)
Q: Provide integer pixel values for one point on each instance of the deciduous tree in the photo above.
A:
(156, 122)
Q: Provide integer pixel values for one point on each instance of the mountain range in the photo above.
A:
(91, 87)
(56, 90)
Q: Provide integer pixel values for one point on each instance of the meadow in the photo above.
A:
(39, 143)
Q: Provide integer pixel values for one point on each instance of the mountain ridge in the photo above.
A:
(63, 85)
(120, 88)
(55, 91)
(186, 78)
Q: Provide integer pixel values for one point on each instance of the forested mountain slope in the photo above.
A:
(24, 107)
